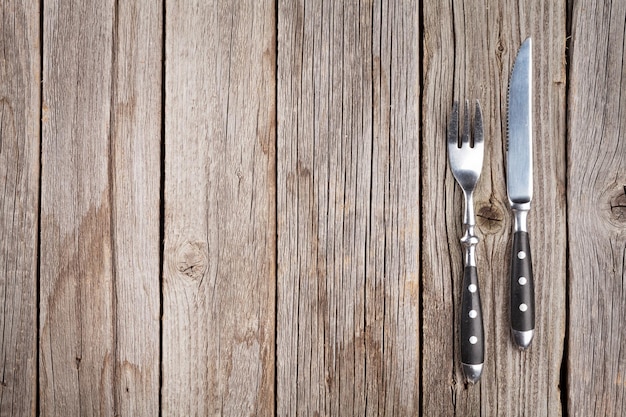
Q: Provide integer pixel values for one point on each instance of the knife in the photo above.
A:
(519, 180)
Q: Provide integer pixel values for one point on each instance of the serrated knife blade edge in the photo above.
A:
(519, 128)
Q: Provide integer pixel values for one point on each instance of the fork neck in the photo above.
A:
(469, 239)
(469, 218)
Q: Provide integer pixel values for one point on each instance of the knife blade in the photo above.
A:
(519, 179)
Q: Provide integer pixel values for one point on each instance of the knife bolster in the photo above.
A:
(520, 214)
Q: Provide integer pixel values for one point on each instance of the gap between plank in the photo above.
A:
(38, 231)
(276, 6)
(421, 199)
(162, 208)
(564, 371)
(112, 201)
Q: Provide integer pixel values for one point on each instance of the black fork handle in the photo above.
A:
(472, 332)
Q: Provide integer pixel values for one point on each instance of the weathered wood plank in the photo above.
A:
(99, 329)
(135, 185)
(219, 254)
(77, 326)
(469, 50)
(348, 208)
(19, 184)
(597, 210)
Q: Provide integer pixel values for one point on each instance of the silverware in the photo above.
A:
(519, 181)
(466, 161)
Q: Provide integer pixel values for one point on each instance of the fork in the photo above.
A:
(466, 161)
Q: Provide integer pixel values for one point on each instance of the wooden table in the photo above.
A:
(245, 208)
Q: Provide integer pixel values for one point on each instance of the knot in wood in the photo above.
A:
(613, 205)
(618, 206)
(490, 217)
(191, 260)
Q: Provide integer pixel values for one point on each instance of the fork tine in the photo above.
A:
(466, 125)
(453, 127)
(478, 125)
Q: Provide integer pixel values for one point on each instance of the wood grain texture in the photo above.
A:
(135, 185)
(99, 322)
(348, 208)
(291, 266)
(596, 375)
(77, 331)
(19, 189)
(219, 254)
(469, 50)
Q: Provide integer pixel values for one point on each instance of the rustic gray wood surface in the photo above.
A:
(596, 377)
(77, 332)
(100, 197)
(245, 208)
(135, 174)
(220, 237)
(20, 104)
(348, 209)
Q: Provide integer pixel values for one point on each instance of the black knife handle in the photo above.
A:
(472, 333)
(522, 285)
